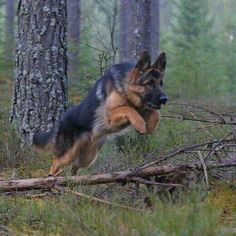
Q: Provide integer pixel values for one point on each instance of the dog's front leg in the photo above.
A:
(152, 119)
(119, 116)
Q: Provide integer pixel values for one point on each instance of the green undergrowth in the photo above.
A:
(68, 215)
(200, 212)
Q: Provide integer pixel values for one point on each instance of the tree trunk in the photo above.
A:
(142, 32)
(40, 79)
(73, 38)
(9, 42)
(139, 28)
(155, 29)
(127, 19)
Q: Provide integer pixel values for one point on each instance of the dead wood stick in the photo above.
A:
(181, 117)
(113, 177)
(182, 150)
(220, 117)
(204, 168)
(104, 202)
(218, 144)
(149, 182)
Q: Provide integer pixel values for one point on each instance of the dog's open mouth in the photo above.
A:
(151, 105)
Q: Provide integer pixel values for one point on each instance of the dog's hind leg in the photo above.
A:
(57, 162)
(55, 167)
(86, 157)
(84, 160)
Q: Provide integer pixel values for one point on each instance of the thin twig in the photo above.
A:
(217, 144)
(193, 115)
(105, 202)
(181, 117)
(222, 120)
(148, 182)
(176, 152)
(204, 168)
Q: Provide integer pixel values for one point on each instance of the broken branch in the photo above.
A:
(113, 177)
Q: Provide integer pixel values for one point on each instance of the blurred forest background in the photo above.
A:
(199, 38)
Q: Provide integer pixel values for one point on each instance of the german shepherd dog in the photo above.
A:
(126, 95)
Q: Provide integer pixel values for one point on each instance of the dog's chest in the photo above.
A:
(101, 129)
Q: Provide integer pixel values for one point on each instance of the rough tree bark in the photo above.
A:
(155, 29)
(140, 28)
(9, 41)
(127, 18)
(73, 10)
(40, 79)
(142, 32)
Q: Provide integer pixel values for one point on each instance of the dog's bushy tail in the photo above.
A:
(43, 139)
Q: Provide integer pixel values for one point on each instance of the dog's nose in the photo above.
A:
(163, 99)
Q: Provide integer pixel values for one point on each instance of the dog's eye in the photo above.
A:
(151, 83)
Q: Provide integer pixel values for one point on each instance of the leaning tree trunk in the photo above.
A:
(40, 80)
(73, 38)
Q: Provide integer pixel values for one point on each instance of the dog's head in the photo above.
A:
(148, 80)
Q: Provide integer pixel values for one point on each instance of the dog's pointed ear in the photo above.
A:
(144, 62)
(160, 62)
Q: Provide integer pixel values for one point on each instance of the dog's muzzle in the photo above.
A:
(163, 99)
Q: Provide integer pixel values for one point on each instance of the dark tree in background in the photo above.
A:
(73, 10)
(127, 20)
(155, 28)
(140, 28)
(40, 79)
(9, 37)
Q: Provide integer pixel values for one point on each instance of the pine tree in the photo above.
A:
(40, 79)
(196, 57)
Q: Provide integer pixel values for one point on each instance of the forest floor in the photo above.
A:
(198, 211)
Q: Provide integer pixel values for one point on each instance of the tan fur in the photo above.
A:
(118, 112)
(69, 156)
(152, 119)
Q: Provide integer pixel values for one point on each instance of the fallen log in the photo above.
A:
(105, 178)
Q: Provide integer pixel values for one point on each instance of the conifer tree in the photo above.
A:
(196, 57)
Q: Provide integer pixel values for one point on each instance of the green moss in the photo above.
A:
(223, 196)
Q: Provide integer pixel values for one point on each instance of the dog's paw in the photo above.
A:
(140, 126)
(57, 173)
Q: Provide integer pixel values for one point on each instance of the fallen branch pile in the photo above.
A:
(114, 177)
